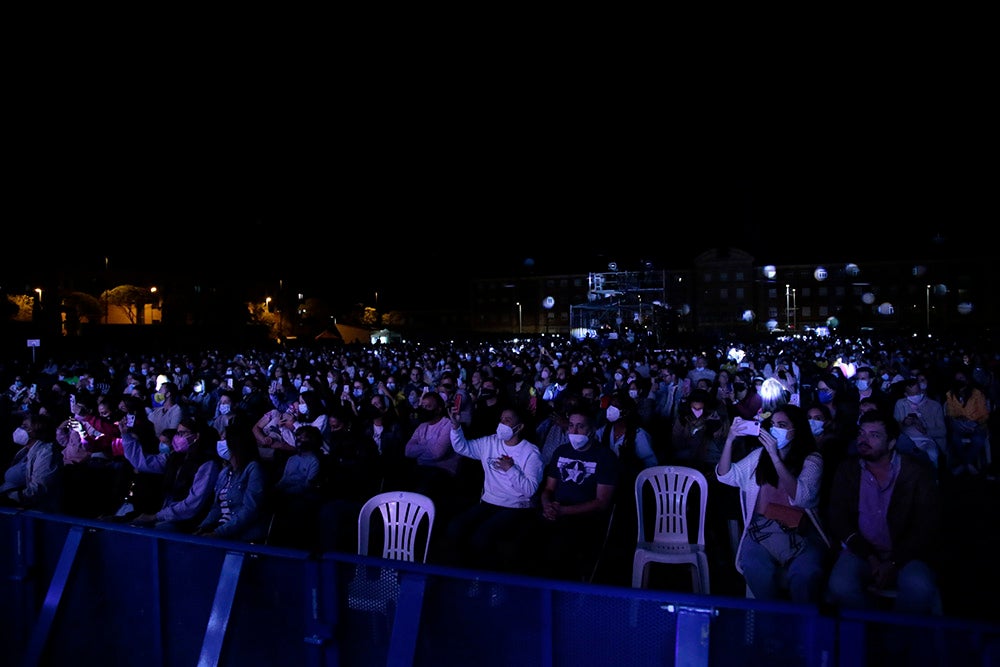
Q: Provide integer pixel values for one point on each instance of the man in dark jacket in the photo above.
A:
(885, 511)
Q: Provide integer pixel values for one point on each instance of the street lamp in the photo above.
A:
(519, 327)
(39, 291)
(928, 310)
(788, 308)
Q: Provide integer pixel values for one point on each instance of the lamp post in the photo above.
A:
(519, 327)
(928, 310)
(788, 307)
(107, 285)
(39, 291)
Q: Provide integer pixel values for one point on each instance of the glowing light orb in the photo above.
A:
(832, 322)
(919, 270)
(868, 298)
(748, 316)
(965, 308)
(770, 271)
(940, 290)
(820, 273)
(852, 269)
(548, 302)
(771, 325)
(685, 309)
(885, 308)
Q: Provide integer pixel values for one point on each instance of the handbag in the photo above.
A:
(786, 515)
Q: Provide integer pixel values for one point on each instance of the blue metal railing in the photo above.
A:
(85, 592)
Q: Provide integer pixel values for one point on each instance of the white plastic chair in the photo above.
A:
(670, 541)
(402, 512)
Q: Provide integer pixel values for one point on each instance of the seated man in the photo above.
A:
(565, 539)
(885, 511)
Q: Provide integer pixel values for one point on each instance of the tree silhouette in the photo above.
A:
(127, 298)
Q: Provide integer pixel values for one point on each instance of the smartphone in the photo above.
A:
(458, 402)
(33, 391)
(229, 382)
(130, 420)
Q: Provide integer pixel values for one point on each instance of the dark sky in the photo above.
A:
(416, 189)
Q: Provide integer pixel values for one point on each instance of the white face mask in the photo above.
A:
(222, 447)
(303, 408)
(781, 435)
(504, 432)
(862, 385)
(816, 426)
(578, 440)
(224, 408)
(696, 413)
(20, 436)
(613, 414)
(915, 398)
(633, 393)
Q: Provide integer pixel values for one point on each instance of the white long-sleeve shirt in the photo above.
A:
(511, 488)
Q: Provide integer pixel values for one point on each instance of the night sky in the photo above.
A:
(387, 201)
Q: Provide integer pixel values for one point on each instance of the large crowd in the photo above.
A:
(828, 454)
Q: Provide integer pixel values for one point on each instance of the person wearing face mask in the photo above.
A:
(167, 415)
(189, 473)
(922, 419)
(747, 402)
(253, 400)
(512, 472)
(487, 410)
(783, 550)
(967, 414)
(623, 435)
(831, 447)
(869, 385)
(699, 431)
(240, 508)
(436, 470)
(224, 413)
(834, 391)
(33, 480)
(563, 540)
(307, 410)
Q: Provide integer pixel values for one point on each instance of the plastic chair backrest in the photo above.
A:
(671, 490)
(402, 514)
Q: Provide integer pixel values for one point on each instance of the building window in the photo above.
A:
(723, 293)
(739, 293)
(707, 277)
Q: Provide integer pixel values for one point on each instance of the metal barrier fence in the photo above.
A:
(86, 592)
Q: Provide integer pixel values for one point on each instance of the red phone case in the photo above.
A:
(458, 401)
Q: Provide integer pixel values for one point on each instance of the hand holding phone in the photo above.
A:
(746, 426)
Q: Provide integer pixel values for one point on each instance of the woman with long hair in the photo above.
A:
(782, 552)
